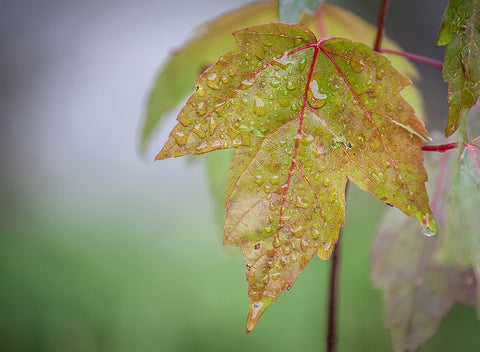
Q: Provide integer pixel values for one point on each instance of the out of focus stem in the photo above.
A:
(381, 25)
(333, 294)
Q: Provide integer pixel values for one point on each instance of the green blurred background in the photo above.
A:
(101, 250)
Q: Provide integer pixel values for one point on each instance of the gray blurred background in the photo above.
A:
(103, 250)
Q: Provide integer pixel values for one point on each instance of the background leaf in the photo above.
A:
(460, 32)
(418, 291)
(423, 277)
(174, 82)
(290, 10)
(303, 115)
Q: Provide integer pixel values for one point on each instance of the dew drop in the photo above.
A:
(301, 203)
(285, 103)
(212, 125)
(272, 206)
(327, 245)
(275, 82)
(275, 179)
(248, 83)
(202, 145)
(302, 64)
(291, 85)
(304, 245)
(389, 107)
(314, 97)
(212, 81)
(427, 232)
(184, 119)
(180, 138)
(276, 276)
(286, 250)
(357, 65)
(297, 231)
(267, 42)
(256, 307)
(259, 108)
(258, 179)
(374, 91)
(199, 131)
(201, 91)
(201, 109)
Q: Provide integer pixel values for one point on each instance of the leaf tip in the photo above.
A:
(256, 310)
(429, 228)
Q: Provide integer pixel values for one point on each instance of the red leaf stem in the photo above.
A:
(417, 58)
(441, 148)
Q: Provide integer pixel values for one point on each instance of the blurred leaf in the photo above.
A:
(418, 291)
(174, 82)
(420, 284)
(289, 11)
(217, 167)
(462, 223)
(304, 115)
(460, 32)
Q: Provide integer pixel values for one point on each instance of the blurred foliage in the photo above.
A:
(67, 285)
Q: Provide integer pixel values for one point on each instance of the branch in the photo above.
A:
(417, 58)
(332, 299)
(381, 25)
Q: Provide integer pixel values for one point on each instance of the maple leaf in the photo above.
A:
(305, 116)
(460, 31)
(421, 282)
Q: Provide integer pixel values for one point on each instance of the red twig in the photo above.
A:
(417, 58)
(321, 25)
(381, 25)
(442, 148)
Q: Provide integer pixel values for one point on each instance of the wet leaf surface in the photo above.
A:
(304, 116)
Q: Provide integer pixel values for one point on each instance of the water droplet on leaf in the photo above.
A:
(291, 85)
(200, 91)
(427, 232)
(201, 109)
(314, 97)
(212, 81)
(357, 64)
(259, 108)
